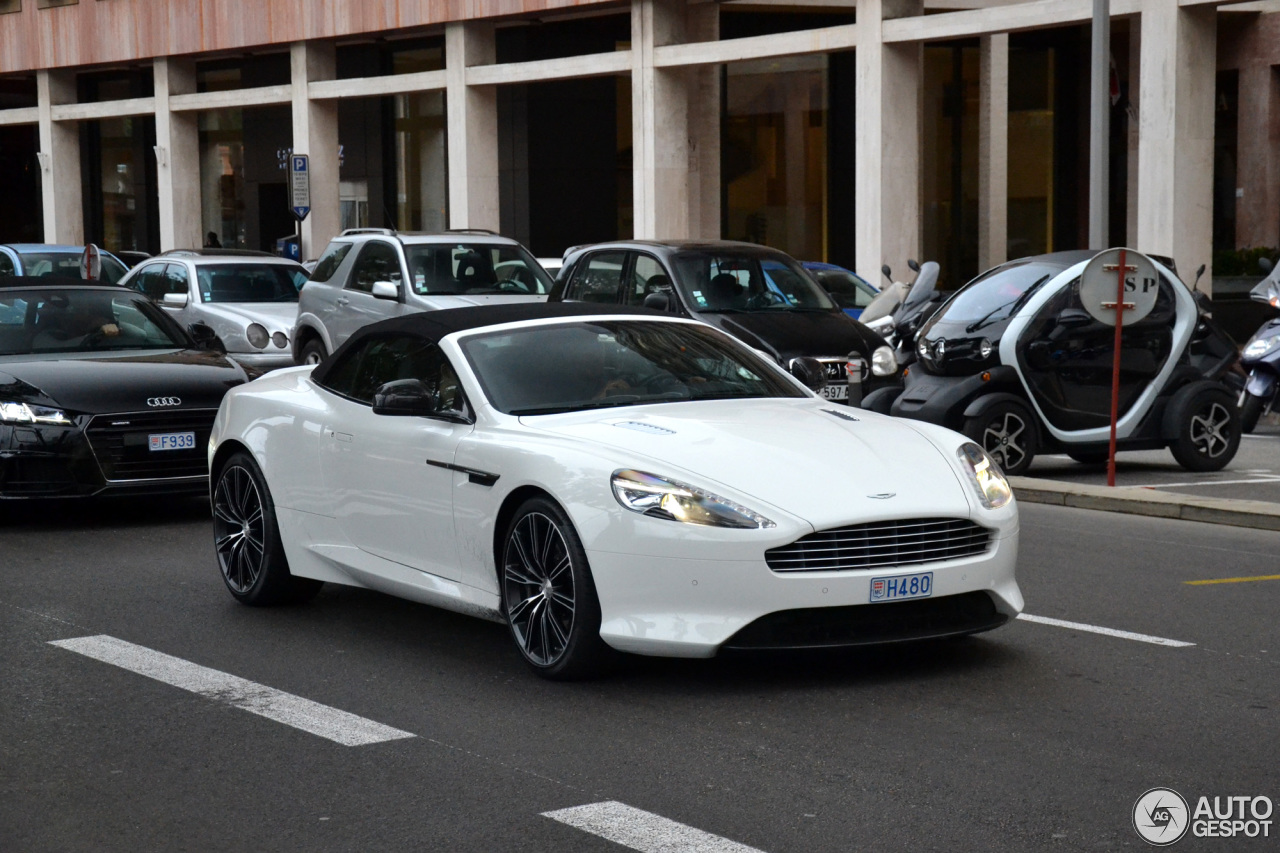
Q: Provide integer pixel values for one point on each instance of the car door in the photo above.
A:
(149, 281)
(598, 278)
(390, 488)
(177, 280)
(647, 275)
(356, 306)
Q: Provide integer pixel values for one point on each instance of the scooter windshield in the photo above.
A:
(1267, 291)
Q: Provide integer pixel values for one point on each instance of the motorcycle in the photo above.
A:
(897, 315)
(1261, 357)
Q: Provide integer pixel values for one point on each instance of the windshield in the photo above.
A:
(67, 265)
(570, 367)
(847, 289)
(82, 320)
(744, 281)
(241, 282)
(474, 268)
(995, 295)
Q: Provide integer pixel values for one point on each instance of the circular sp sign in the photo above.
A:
(1100, 280)
(91, 262)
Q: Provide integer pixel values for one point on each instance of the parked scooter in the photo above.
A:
(905, 309)
(1261, 356)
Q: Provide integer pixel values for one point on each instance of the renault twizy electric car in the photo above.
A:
(1015, 362)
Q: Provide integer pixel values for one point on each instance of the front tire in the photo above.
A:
(548, 595)
(247, 538)
(1250, 412)
(1007, 431)
(313, 352)
(1208, 428)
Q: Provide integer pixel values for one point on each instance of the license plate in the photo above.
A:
(902, 586)
(834, 392)
(172, 440)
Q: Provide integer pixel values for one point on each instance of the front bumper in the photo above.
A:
(264, 360)
(681, 607)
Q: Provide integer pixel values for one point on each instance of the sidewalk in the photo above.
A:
(1263, 515)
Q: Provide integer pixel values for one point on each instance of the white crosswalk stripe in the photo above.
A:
(644, 831)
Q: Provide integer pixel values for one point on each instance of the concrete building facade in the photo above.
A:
(859, 131)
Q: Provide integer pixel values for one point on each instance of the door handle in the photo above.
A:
(340, 436)
(342, 300)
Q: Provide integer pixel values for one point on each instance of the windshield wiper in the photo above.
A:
(608, 402)
(1013, 306)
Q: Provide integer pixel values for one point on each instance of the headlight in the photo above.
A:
(257, 335)
(280, 340)
(985, 476)
(922, 348)
(1262, 346)
(670, 499)
(985, 348)
(883, 362)
(24, 413)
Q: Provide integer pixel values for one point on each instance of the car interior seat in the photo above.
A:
(724, 291)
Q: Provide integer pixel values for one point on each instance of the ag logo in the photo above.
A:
(156, 402)
(1160, 816)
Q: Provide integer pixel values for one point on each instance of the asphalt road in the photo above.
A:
(1254, 473)
(1031, 737)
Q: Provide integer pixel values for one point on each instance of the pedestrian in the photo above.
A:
(211, 241)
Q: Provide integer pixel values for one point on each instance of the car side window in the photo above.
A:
(378, 261)
(6, 265)
(150, 280)
(378, 360)
(175, 279)
(329, 262)
(598, 278)
(647, 276)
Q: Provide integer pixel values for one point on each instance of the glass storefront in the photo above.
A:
(421, 146)
(120, 208)
(1032, 136)
(949, 162)
(774, 154)
(222, 198)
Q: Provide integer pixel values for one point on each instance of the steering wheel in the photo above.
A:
(764, 299)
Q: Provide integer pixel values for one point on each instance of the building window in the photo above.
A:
(7, 6)
(49, 4)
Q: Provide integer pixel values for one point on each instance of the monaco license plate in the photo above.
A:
(903, 586)
(834, 392)
(172, 440)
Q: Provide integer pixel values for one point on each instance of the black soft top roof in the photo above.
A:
(35, 282)
(434, 325)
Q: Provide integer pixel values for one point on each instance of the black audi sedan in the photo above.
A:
(759, 295)
(101, 393)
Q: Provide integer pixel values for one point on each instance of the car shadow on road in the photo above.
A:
(92, 513)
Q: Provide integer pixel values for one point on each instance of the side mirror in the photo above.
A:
(914, 264)
(1199, 272)
(385, 290)
(887, 273)
(1074, 318)
(658, 301)
(1265, 265)
(205, 337)
(177, 300)
(810, 372)
(405, 397)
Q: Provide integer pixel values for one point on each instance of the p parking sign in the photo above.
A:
(300, 185)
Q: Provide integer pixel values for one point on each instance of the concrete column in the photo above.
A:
(1175, 142)
(177, 157)
(60, 181)
(315, 133)
(1135, 80)
(993, 151)
(659, 124)
(473, 128)
(702, 23)
(1258, 157)
(887, 144)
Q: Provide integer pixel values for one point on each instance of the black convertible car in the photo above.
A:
(101, 393)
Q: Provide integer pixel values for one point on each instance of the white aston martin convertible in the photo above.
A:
(606, 479)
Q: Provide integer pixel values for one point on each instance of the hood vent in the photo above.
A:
(840, 415)
(649, 428)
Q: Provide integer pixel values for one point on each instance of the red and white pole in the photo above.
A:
(1122, 268)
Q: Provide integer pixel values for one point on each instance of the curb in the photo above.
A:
(1262, 515)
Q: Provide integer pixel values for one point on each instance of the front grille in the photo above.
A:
(122, 446)
(879, 544)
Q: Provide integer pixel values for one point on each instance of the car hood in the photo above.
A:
(828, 465)
(107, 382)
(790, 334)
(275, 316)
(463, 300)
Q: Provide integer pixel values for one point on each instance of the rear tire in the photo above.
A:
(246, 538)
(313, 352)
(548, 595)
(1250, 412)
(1208, 428)
(1007, 431)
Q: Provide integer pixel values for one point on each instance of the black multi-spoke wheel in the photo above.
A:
(1007, 432)
(247, 541)
(548, 595)
(1207, 425)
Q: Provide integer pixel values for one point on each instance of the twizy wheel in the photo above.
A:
(247, 539)
(548, 596)
(1207, 425)
(1007, 431)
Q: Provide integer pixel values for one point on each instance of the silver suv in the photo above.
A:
(370, 274)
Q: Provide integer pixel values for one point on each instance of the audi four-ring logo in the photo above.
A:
(164, 401)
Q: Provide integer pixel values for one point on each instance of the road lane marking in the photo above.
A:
(1233, 580)
(643, 831)
(1110, 632)
(1205, 483)
(338, 726)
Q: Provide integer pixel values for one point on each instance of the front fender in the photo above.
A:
(1262, 383)
(312, 324)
